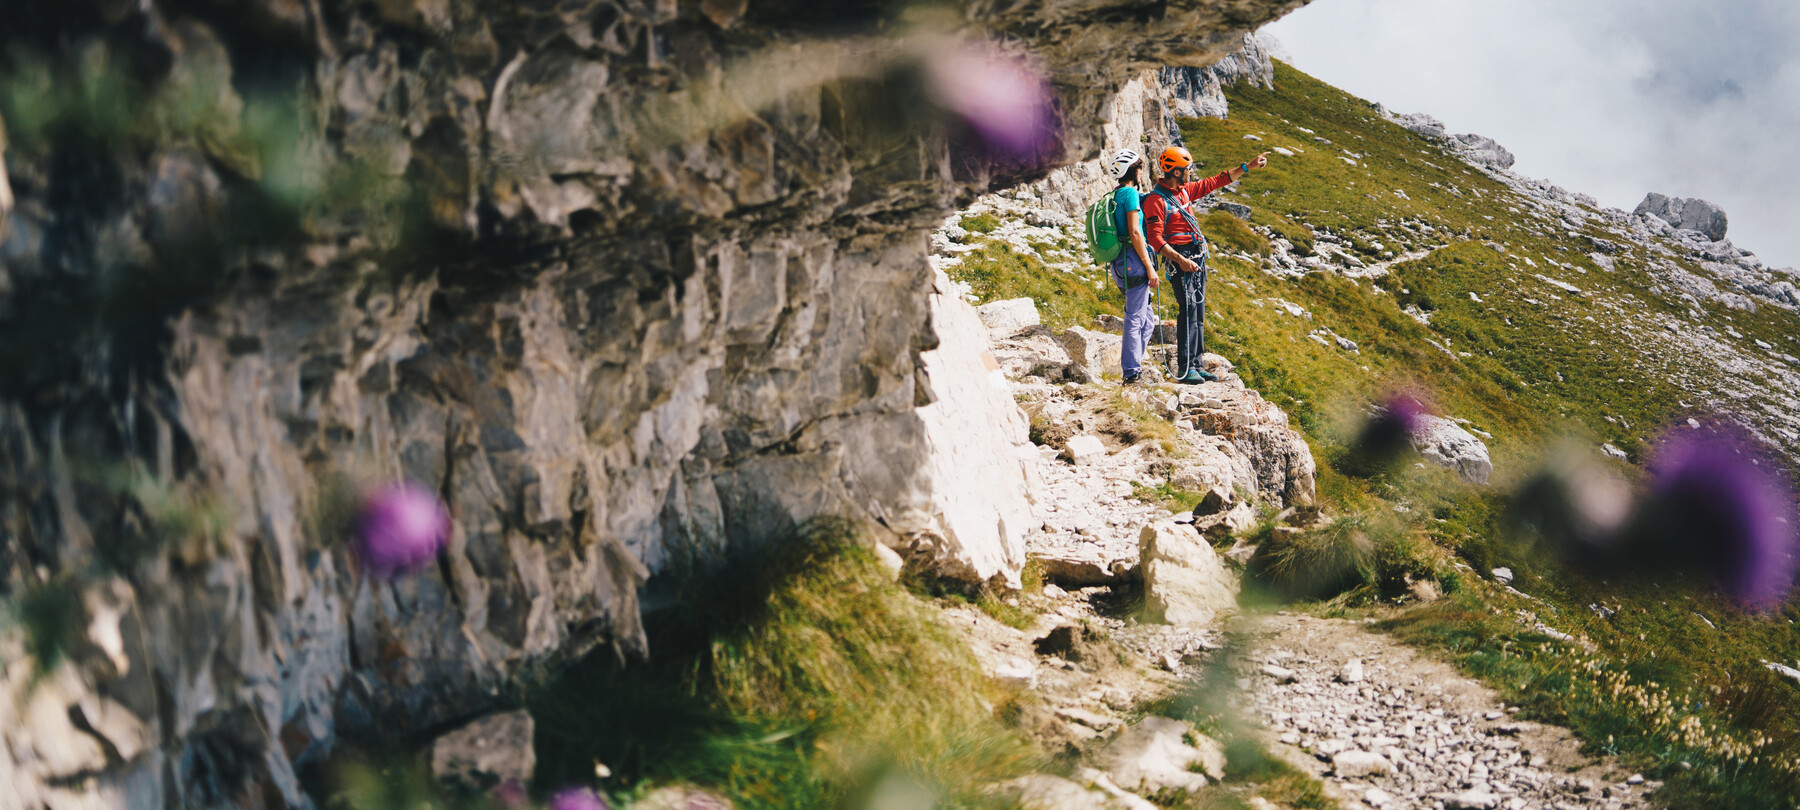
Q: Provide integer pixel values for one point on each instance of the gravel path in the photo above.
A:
(1390, 728)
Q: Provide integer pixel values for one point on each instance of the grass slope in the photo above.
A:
(1675, 677)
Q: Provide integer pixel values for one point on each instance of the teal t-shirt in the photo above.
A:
(1126, 200)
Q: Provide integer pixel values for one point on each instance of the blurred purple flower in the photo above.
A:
(1006, 103)
(401, 528)
(511, 795)
(1387, 434)
(1405, 411)
(578, 798)
(1716, 499)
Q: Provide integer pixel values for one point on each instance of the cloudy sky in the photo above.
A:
(1614, 98)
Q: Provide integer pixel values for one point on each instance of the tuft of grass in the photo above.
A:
(1009, 614)
(996, 271)
(1328, 560)
(1226, 230)
(796, 677)
(980, 223)
(1131, 422)
(53, 619)
(1167, 495)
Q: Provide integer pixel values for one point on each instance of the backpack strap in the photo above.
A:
(1171, 201)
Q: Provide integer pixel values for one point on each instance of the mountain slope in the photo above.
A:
(1377, 260)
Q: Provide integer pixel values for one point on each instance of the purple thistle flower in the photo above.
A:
(577, 798)
(1007, 105)
(401, 528)
(1714, 498)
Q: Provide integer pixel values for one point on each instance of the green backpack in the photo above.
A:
(1103, 230)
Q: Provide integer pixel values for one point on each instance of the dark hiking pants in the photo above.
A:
(1190, 324)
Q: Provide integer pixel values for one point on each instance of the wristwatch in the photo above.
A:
(1244, 167)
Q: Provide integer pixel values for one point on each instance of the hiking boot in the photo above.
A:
(1195, 376)
(1132, 377)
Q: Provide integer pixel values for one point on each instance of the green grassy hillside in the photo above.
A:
(1491, 303)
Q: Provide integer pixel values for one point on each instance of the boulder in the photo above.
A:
(1212, 755)
(1238, 210)
(1040, 791)
(1032, 351)
(1236, 520)
(1185, 583)
(1015, 673)
(1358, 764)
(1110, 324)
(1084, 566)
(1446, 444)
(1685, 214)
(1223, 470)
(1472, 800)
(1153, 756)
(486, 753)
(977, 470)
(1084, 449)
(1482, 151)
(1351, 672)
(1009, 316)
(1095, 350)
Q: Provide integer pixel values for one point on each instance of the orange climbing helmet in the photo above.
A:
(1174, 158)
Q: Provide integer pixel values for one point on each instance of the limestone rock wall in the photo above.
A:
(626, 282)
(1142, 117)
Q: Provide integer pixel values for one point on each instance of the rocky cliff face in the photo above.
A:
(1143, 115)
(627, 283)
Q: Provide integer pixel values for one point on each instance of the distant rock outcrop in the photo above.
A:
(1477, 149)
(1685, 213)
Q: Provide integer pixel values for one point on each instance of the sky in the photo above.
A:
(1613, 98)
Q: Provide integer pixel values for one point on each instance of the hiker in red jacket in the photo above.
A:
(1174, 234)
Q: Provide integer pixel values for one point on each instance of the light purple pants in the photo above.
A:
(1140, 320)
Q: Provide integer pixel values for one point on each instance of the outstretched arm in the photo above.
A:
(1201, 188)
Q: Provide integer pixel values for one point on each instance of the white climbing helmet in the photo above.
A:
(1123, 161)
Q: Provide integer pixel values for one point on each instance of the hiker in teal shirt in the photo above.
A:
(1131, 270)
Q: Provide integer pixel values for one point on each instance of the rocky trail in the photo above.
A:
(1386, 726)
(1377, 722)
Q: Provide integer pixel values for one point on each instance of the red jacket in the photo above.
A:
(1163, 226)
